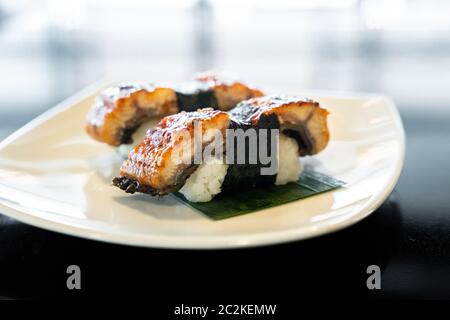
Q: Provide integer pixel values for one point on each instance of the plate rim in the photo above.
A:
(222, 242)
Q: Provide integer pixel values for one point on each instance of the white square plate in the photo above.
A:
(52, 175)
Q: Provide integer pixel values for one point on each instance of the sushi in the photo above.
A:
(122, 114)
(285, 127)
(151, 166)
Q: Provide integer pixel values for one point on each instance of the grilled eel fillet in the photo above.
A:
(299, 118)
(118, 111)
(150, 168)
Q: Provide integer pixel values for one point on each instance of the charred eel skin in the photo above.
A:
(131, 186)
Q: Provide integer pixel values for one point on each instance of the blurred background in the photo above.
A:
(50, 49)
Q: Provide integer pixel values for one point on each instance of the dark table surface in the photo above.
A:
(408, 237)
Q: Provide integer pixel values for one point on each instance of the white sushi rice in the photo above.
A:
(205, 182)
(289, 165)
(138, 136)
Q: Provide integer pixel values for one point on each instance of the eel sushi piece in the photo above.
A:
(119, 110)
(122, 114)
(301, 129)
(157, 165)
(300, 118)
